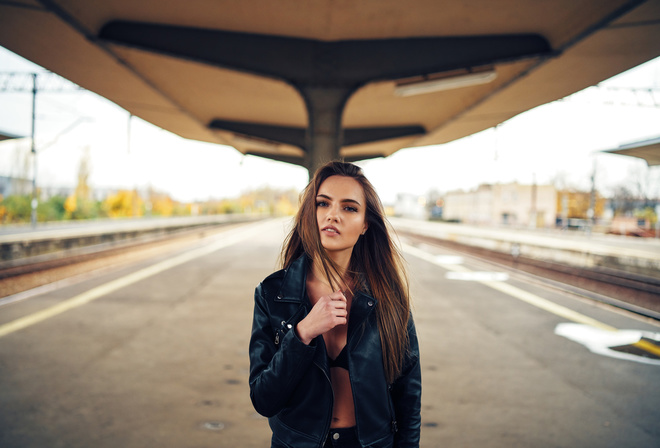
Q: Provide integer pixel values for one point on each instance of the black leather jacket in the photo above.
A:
(290, 381)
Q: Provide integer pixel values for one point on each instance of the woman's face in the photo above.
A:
(340, 214)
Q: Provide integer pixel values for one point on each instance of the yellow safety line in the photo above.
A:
(648, 346)
(531, 299)
(228, 239)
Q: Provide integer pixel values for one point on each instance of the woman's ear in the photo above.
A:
(364, 230)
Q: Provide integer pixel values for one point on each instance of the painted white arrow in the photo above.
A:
(601, 341)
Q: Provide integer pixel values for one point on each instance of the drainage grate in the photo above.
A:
(214, 426)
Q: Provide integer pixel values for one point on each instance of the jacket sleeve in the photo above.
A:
(275, 369)
(407, 395)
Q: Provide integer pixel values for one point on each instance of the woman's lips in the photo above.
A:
(330, 230)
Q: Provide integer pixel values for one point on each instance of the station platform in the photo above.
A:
(155, 353)
(624, 253)
(20, 245)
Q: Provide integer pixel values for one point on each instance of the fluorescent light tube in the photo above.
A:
(447, 83)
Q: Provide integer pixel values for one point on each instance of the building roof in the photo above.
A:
(8, 136)
(649, 150)
(245, 72)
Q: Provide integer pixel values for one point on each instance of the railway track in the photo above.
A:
(67, 267)
(633, 292)
(630, 291)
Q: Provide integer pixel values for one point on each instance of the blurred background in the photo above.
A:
(520, 174)
(97, 160)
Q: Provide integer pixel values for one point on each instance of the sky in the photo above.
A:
(560, 142)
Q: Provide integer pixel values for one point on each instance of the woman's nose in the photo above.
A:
(333, 213)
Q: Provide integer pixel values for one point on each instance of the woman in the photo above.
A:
(334, 359)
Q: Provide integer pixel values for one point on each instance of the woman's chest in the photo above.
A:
(335, 340)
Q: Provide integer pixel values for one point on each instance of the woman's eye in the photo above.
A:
(351, 209)
(321, 204)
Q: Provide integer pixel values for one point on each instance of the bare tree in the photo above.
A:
(623, 200)
(83, 190)
(644, 182)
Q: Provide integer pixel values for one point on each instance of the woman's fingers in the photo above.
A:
(340, 304)
(337, 296)
(336, 310)
(327, 313)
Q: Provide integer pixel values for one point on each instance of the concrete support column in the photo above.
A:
(325, 106)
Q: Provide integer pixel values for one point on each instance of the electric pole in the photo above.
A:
(34, 83)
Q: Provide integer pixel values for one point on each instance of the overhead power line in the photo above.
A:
(637, 96)
(618, 96)
(45, 82)
(34, 83)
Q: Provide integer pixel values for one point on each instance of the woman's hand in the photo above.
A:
(326, 314)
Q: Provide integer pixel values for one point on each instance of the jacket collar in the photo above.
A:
(292, 289)
(294, 282)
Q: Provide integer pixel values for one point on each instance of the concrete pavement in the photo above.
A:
(162, 361)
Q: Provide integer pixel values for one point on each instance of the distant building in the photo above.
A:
(14, 186)
(506, 204)
(410, 206)
(574, 208)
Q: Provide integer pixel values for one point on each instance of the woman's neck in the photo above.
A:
(342, 265)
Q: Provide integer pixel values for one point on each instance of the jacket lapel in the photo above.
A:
(293, 283)
(361, 307)
(293, 290)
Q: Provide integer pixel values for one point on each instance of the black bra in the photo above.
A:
(341, 360)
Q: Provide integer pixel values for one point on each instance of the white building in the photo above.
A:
(410, 206)
(508, 204)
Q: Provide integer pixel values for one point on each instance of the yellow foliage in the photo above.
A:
(71, 204)
(284, 207)
(647, 214)
(162, 206)
(263, 200)
(123, 204)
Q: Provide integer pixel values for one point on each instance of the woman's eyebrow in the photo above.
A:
(325, 196)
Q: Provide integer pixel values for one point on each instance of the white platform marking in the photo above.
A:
(226, 239)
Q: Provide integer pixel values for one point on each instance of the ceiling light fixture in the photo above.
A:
(428, 85)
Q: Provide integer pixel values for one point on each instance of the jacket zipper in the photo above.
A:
(395, 427)
(327, 431)
(332, 404)
(287, 325)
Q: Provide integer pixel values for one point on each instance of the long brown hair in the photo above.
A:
(374, 256)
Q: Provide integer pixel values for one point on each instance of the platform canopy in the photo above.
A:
(304, 81)
(8, 136)
(649, 150)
